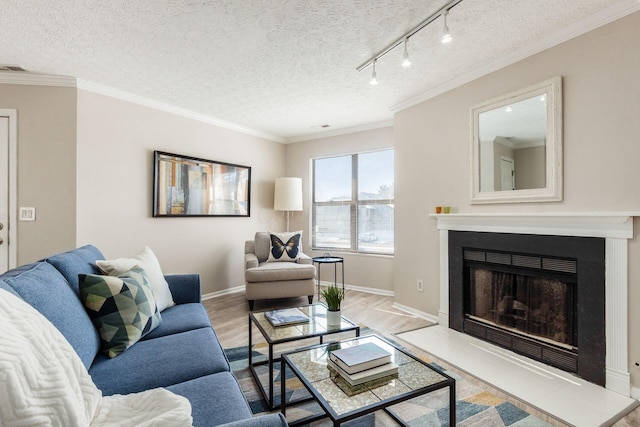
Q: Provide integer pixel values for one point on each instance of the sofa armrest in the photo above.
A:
(250, 261)
(185, 288)
(271, 420)
(304, 259)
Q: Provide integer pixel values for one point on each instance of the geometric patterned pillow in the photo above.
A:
(122, 308)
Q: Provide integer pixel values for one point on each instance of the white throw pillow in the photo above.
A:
(149, 263)
(285, 246)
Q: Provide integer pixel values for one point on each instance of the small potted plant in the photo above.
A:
(333, 296)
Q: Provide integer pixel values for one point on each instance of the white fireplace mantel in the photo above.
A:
(586, 224)
(615, 227)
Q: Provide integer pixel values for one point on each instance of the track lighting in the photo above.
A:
(446, 34)
(443, 11)
(407, 61)
(374, 78)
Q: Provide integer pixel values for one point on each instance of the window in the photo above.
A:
(353, 207)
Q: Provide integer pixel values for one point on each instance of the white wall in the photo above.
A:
(601, 154)
(116, 140)
(369, 271)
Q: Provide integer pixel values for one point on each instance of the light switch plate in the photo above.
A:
(27, 214)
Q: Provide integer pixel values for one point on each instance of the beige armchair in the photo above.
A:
(269, 280)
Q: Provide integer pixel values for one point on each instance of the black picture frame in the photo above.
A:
(186, 186)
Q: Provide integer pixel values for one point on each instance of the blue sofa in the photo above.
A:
(182, 354)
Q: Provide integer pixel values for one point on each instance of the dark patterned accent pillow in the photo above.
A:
(285, 246)
(122, 308)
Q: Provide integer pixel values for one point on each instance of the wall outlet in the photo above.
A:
(420, 285)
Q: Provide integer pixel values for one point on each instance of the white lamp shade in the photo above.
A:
(288, 194)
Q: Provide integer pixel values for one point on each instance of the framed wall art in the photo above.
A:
(189, 186)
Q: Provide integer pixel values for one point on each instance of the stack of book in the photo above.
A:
(285, 317)
(362, 363)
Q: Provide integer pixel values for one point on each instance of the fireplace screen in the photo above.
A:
(541, 308)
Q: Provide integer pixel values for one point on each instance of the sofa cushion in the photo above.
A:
(77, 261)
(215, 399)
(45, 289)
(181, 318)
(185, 288)
(160, 362)
(285, 247)
(277, 271)
(148, 261)
(123, 308)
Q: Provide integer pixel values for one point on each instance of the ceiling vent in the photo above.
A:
(11, 68)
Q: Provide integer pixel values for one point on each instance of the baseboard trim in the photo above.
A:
(375, 291)
(417, 313)
(228, 291)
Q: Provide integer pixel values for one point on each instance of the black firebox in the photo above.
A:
(540, 296)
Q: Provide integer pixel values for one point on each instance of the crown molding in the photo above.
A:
(34, 79)
(338, 132)
(168, 108)
(567, 33)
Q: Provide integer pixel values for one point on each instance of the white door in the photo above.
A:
(507, 174)
(8, 189)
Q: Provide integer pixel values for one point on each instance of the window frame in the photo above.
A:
(353, 204)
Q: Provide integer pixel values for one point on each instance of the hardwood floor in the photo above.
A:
(229, 315)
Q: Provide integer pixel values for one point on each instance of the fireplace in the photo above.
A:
(538, 295)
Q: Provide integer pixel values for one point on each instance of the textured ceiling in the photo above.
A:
(280, 67)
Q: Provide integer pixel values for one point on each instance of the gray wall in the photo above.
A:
(46, 167)
(116, 140)
(601, 153)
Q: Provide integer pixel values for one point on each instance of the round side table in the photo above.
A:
(335, 260)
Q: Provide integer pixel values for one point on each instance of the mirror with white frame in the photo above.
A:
(516, 146)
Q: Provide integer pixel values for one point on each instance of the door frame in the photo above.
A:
(12, 208)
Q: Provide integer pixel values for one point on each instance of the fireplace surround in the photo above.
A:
(616, 228)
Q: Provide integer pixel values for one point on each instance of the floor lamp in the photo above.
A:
(288, 195)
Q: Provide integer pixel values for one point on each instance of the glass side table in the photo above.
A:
(262, 366)
(328, 259)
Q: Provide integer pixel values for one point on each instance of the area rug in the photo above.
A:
(475, 406)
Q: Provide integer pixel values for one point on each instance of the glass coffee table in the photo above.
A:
(342, 402)
(294, 335)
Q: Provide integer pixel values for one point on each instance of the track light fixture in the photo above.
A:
(407, 61)
(446, 38)
(374, 77)
(446, 34)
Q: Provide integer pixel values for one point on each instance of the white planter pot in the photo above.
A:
(334, 318)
